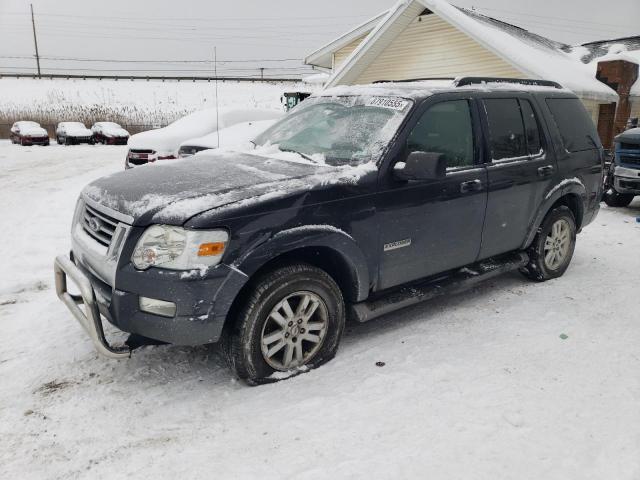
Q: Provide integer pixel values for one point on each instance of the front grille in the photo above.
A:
(98, 225)
(629, 160)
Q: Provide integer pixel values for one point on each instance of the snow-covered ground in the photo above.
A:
(511, 380)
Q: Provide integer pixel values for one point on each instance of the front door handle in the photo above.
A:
(471, 186)
(545, 171)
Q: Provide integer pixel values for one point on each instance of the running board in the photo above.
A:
(455, 282)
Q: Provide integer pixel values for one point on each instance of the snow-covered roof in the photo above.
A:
(535, 56)
(592, 53)
(323, 56)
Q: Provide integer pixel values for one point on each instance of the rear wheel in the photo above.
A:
(615, 199)
(552, 248)
(291, 320)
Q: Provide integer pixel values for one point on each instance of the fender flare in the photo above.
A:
(570, 186)
(310, 236)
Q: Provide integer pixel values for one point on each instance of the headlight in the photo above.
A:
(177, 248)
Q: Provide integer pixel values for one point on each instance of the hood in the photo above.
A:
(33, 131)
(175, 191)
(630, 136)
(115, 132)
(229, 137)
(78, 132)
(167, 140)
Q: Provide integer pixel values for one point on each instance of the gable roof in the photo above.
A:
(533, 55)
(323, 56)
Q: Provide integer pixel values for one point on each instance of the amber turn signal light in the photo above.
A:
(211, 249)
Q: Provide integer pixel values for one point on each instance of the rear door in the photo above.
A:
(579, 149)
(430, 226)
(521, 169)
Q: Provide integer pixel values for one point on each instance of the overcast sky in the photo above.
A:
(273, 34)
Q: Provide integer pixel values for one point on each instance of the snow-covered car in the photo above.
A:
(164, 143)
(68, 133)
(109, 133)
(237, 135)
(28, 133)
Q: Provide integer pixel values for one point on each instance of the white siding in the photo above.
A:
(340, 55)
(593, 107)
(635, 107)
(431, 47)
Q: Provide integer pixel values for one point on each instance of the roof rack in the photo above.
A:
(464, 81)
(409, 80)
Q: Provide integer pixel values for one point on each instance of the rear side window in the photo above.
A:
(576, 128)
(513, 128)
(506, 130)
(532, 131)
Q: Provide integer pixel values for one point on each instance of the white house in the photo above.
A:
(432, 38)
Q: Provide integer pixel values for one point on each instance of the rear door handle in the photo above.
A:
(545, 171)
(471, 186)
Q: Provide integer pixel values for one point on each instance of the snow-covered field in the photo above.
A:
(512, 380)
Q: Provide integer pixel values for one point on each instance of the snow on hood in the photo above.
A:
(237, 135)
(32, 130)
(167, 140)
(114, 131)
(175, 191)
(78, 132)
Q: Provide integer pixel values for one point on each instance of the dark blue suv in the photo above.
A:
(360, 201)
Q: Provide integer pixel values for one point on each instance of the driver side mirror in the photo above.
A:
(421, 166)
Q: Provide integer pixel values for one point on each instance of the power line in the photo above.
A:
(75, 59)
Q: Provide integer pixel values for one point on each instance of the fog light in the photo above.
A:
(157, 307)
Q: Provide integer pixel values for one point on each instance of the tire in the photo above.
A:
(543, 264)
(262, 316)
(615, 199)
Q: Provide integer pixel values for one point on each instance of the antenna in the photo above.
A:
(215, 73)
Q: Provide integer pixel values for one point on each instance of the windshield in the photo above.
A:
(338, 130)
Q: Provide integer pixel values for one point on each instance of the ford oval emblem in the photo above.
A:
(94, 224)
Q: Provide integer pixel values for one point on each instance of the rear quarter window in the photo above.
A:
(574, 124)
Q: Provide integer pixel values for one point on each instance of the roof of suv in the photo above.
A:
(421, 88)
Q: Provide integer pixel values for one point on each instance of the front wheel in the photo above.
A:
(291, 320)
(615, 199)
(552, 248)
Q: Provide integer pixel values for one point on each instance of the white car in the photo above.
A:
(109, 133)
(239, 135)
(29, 133)
(68, 133)
(163, 143)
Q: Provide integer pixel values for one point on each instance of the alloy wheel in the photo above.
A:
(557, 244)
(294, 330)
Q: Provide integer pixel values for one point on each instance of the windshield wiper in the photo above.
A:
(291, 150)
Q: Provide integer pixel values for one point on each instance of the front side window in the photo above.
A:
(445, 128)
(348, 130)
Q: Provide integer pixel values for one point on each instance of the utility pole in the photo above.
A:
(215, 74)
(261, 73)
(35, 39)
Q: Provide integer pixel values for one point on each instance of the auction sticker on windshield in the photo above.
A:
(388, 102)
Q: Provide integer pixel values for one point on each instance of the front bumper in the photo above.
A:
(202, 303)
(626, 180)
(90, 318)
